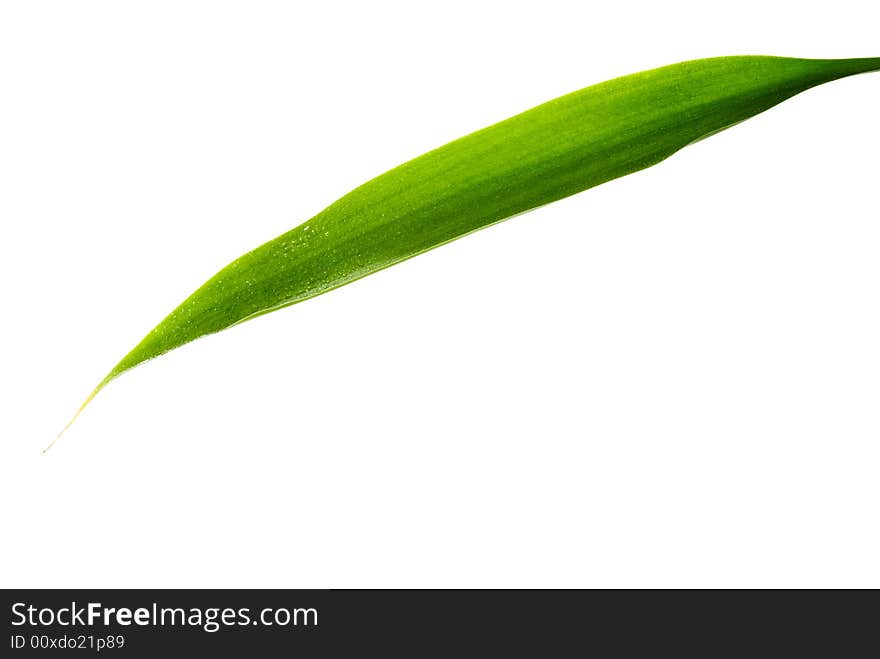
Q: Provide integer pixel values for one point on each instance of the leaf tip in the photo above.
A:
(88, 400)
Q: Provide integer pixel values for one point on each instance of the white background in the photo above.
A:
(670, 380)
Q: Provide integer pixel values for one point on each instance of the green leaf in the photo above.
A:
(549, 152)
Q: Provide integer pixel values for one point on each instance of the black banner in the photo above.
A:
(411, 622)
